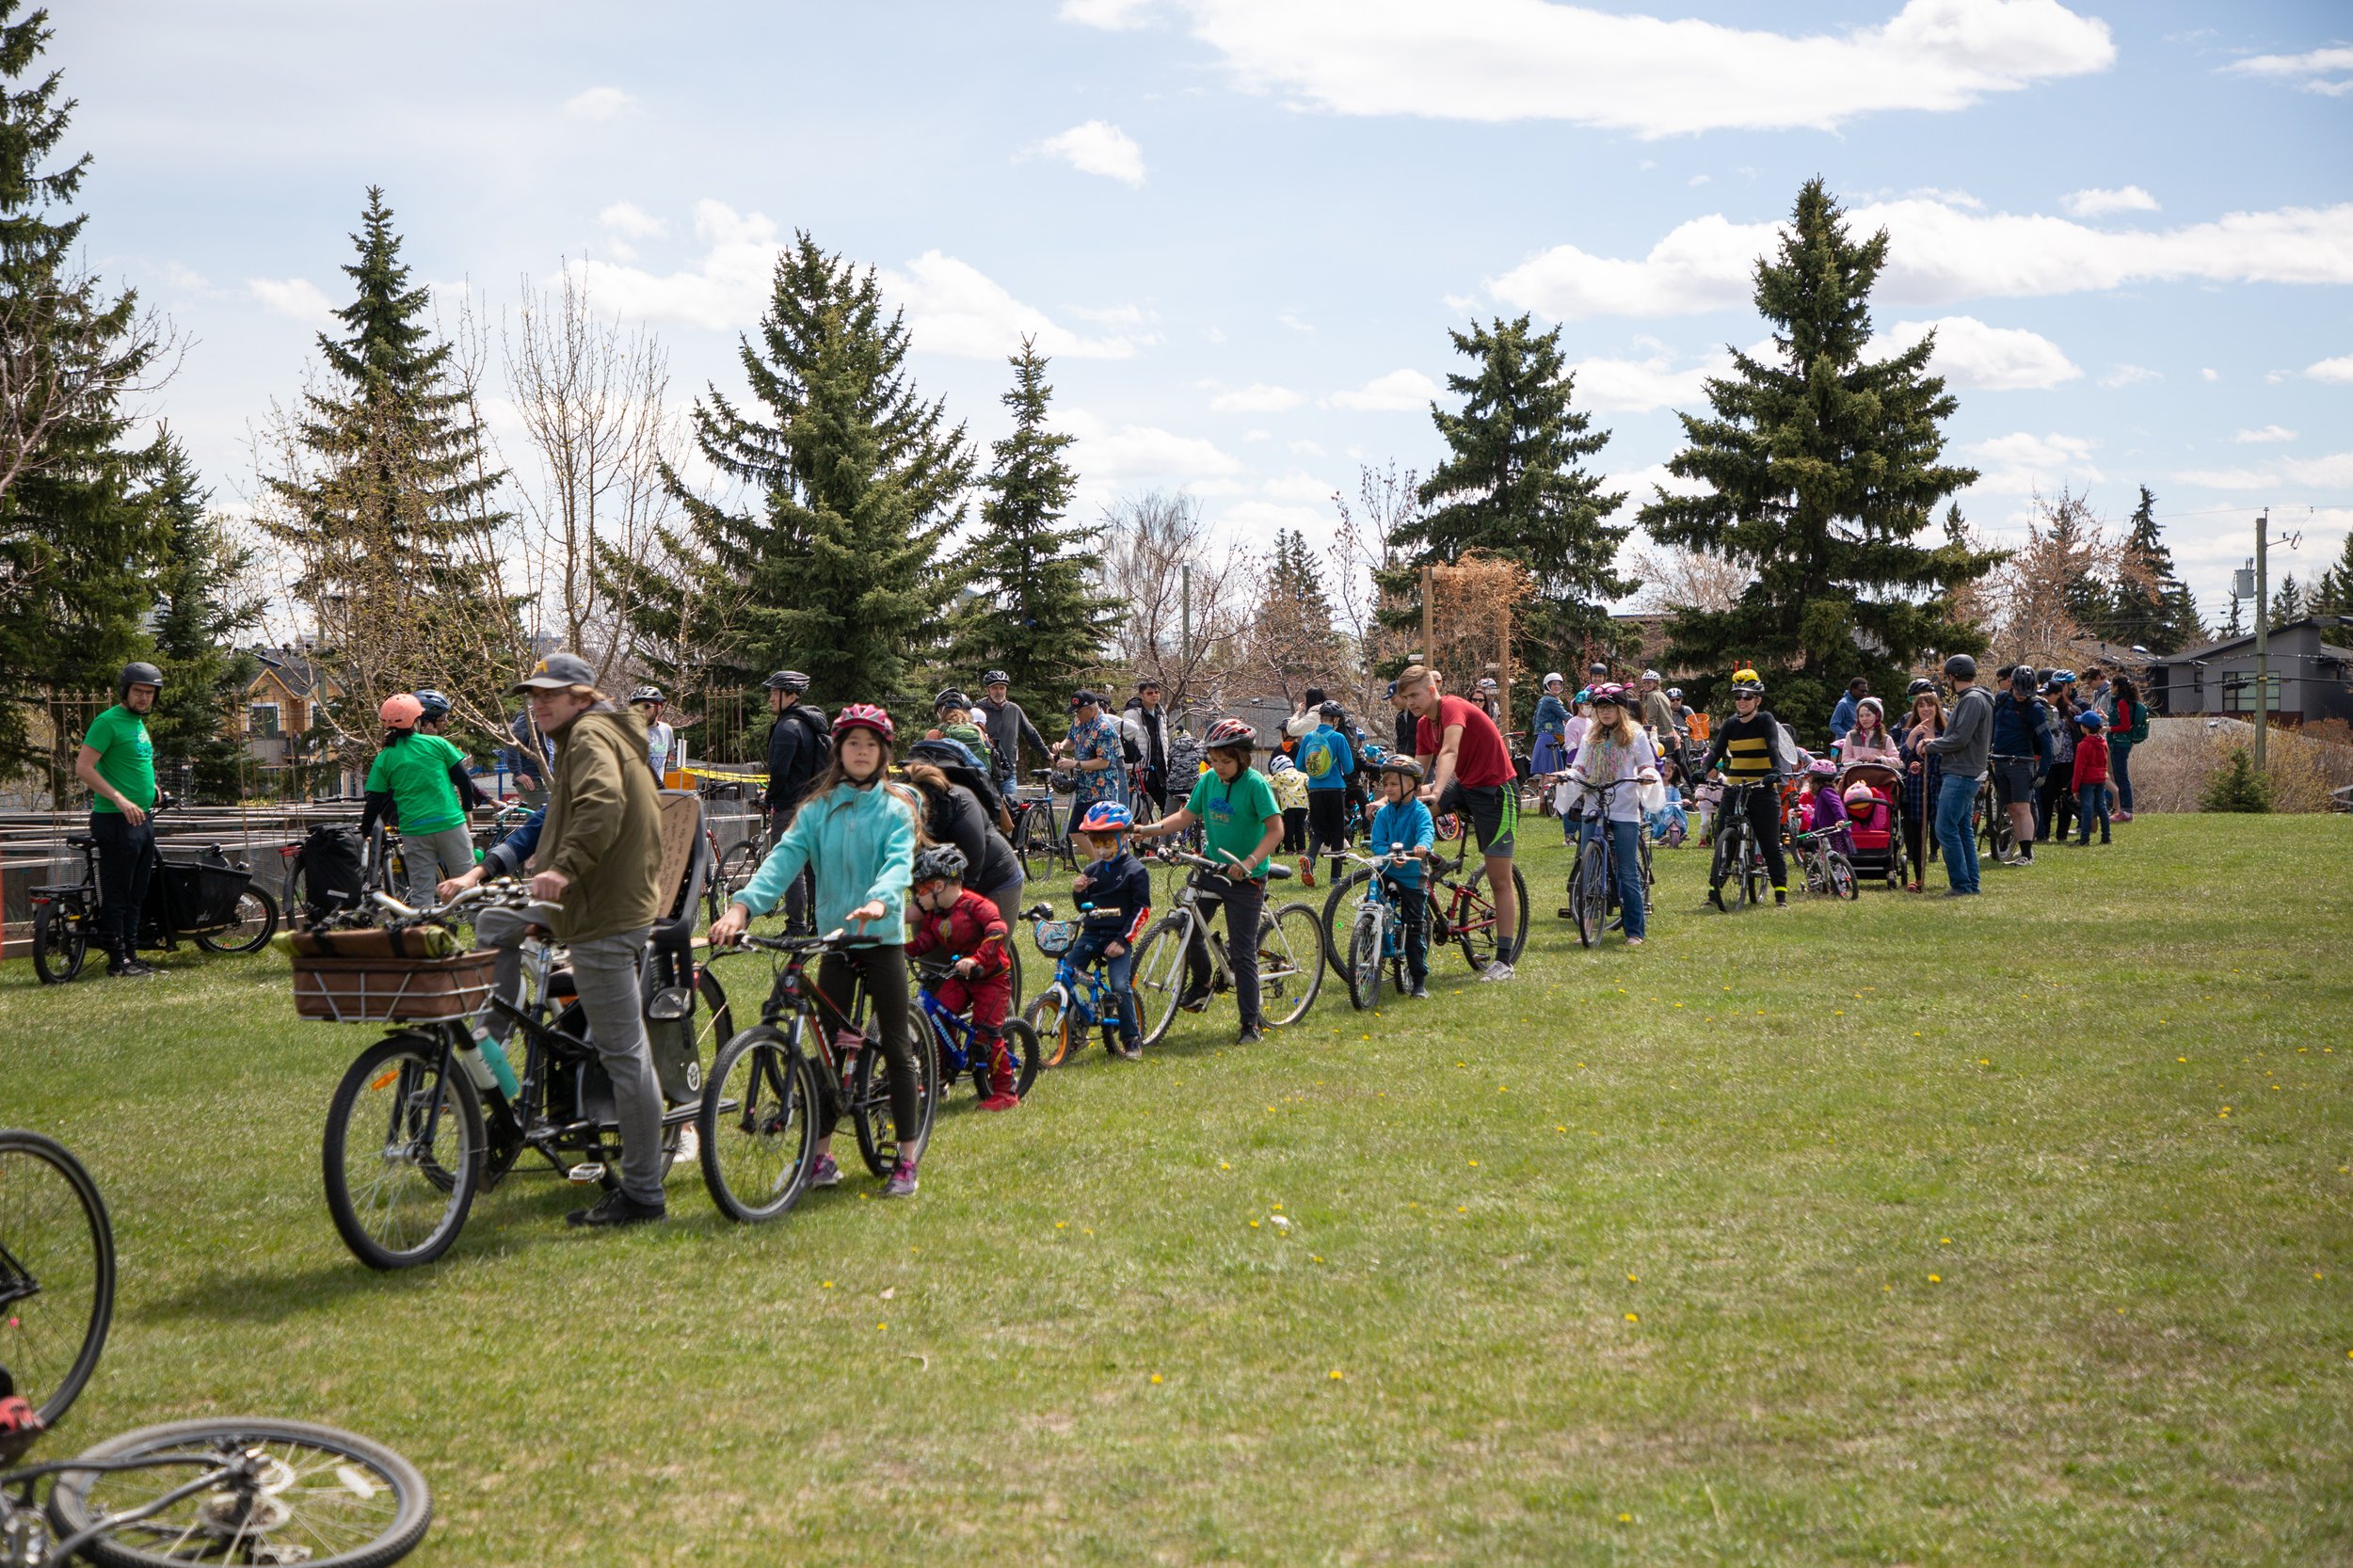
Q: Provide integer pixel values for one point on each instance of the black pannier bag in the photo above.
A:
(329, 865)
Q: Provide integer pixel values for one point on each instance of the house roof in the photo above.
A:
(2247, 639)
(296, 670)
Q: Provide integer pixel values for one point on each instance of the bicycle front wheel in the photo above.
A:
(1588, 892)
(1339, 914)
(56, 1272)
(255, 924)
(1050, 1023)
(758, 1127)
(286, 1492)
(1365, 962)
(1842, 877)
(1021, 1044)
(403, 1152)
(1158, 976)
(1290, 962)
(60, 942)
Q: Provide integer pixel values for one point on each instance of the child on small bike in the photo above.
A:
(855, 830)
(1118, 903)
(952, 917)
(1403, 822)
(1823, 810)
(1241, 826)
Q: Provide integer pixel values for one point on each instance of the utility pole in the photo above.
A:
(2262, 637)
(1184, 621)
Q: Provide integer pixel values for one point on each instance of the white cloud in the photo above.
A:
(1638, 386)
(727, 289)
(1139, 451)
(1698, 180)
(2322, 71)
(2209, 374)
(2333, 472)
(2338, 369)
(2022, 461)
(1257, 398)
(1296, 322)
(1301, 487)
(1256, 522)
(1257, 434)
(1305, 449)
(2129, 375)
(1097, 146)
(598, 104)
(627, 217)
(298, 298)
(2268, 433)
(2226, 478)
(184, 277)
(1110, 14)
(1971, 354)
(1498, 61)
(1399, 390)
(2099, 203)
(953, 308)
(1942, 252)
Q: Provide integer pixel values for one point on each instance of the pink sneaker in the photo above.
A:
(902, 1183)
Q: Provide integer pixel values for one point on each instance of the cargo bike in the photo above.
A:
(206, 898)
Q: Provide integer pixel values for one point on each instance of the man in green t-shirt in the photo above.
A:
(1241, 824)
(117, 763)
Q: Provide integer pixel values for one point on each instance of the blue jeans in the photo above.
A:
(2119, 768)
(1626, 843)
(1119, 973)
(2091, 798)
(1955, 834)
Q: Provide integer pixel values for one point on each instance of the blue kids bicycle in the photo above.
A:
(1059, 1018)
(1376, 937)
(958, 1037)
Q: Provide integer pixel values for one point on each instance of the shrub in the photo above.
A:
(2239, 787)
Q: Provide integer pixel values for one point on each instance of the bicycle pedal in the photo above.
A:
(585, 1173)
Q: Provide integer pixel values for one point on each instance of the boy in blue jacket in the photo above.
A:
(1328, 760)
(1404, 821)
(1117, 891)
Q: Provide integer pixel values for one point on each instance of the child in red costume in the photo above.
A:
(967, 927)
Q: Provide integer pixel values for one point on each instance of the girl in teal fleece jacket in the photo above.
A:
(855, 831)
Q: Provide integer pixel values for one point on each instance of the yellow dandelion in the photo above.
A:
(1936, 1279)
(824, 1285)
(1254, 1224)
(1335, 1375)
(1631, 1279)
(1633, 1317)
(1156, 1377)
(1943, 1241)
(1628, 1518)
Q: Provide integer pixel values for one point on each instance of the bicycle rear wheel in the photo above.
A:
(1159, 977)
(56, 1272)
(1473, 922)
(1336, 922)
(758, 1127)
(1588, 892)
(60, 942)
(315, 1495)
(255, 924)
(1290, 962)
(880, 1138)
(1364, 968)
(403, 1152)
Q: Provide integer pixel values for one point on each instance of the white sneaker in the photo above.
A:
(1496, 971)
(690, 1147)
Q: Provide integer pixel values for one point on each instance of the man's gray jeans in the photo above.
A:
(605, 970)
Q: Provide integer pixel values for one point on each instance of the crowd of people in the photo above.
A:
(912, 857)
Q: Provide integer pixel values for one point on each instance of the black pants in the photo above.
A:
(1244, 903)
(1155, 789)
(1412, 913)
(2055, 804)
(803, 888)
(1764, 814)
(1295, 830)
(884, 970)
(126, 862)
(1327, 822)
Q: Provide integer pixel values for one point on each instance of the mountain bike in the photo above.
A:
(1376, 936)
(422, 1120)
(1593, 879)
(1462, 910)
(1993, 827)
(773, 1083)
(237, 1490)
(1077, 1002)
(1290, 955)
(956, 1039)
(1737, 859)
(1825, 866)
(1041, 837)
(211, 900)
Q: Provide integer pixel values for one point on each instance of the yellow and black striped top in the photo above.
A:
(1744, 748)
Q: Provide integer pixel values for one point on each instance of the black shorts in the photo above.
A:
(2013, 780)
(1493, 811)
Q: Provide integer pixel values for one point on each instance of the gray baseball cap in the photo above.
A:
(556, 673)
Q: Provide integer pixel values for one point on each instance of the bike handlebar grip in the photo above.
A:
(388, 901)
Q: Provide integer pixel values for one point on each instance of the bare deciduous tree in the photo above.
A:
(2035, 606)
(63, 359)
(1363, 560)
(1675, 578)
(1189, 601)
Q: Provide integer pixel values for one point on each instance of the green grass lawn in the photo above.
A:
(1905, 1232)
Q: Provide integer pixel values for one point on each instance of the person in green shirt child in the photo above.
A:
(1241, 826)
(415, 781)
(116, 762)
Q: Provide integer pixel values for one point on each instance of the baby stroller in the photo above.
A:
(1876, 824)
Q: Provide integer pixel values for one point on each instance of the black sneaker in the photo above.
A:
(1194, 1002)
(1420, 991)
(617, 1208)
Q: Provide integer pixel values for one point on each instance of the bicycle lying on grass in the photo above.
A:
(223, 1490)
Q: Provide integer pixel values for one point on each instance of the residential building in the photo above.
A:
(2311, 675)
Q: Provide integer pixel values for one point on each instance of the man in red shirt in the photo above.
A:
(1471, 771)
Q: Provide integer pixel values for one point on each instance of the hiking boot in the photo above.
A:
(827, 1173)
(617, 1208)
(902, 1182)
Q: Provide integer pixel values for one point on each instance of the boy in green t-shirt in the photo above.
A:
(116, 762)
(1241, 824)
(411, 781)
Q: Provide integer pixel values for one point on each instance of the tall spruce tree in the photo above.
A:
(199, 610)
(1822, 470)
(1035, 612)
(391, 510)
(1511, 486)
(2333, 593)
(2287, 601)
(2151, 607)
(76, 530)
(839, 568)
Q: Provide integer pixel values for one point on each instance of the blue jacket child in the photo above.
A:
(1118, 896)
(1326, 746)
(1408, 823)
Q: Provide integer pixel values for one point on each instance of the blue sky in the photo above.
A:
(1243, 228)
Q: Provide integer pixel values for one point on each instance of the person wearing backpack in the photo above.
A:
(1327, 759)
(800, 746)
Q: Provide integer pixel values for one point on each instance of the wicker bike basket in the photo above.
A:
(1055, 936)
(392, 990)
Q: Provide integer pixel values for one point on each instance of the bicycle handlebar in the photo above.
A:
(792, 944)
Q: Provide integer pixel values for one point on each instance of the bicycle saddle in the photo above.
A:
(80, 841)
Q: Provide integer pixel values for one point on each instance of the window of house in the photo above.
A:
(2238, 694)
(262, 719)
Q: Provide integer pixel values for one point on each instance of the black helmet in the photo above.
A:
(643, 693)
(435, 706)
(940, 863)
(138, 675)
(1962, 667)
(1919, 684)
(1330, 711)
(950, 698)
(996, 678)
(786, 681)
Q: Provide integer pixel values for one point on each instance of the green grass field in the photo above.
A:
(2017, 1230)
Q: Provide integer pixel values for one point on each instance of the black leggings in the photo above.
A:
(1764, 814)
(884, 968)
(1327, 819)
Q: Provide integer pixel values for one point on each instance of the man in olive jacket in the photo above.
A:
(598, 864)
